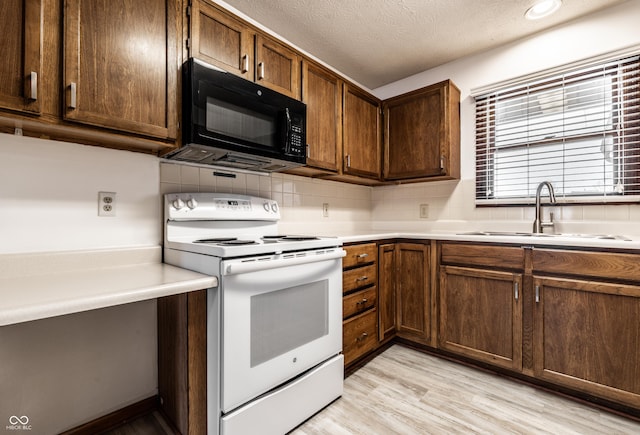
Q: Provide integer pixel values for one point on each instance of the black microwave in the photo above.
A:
(234, 123)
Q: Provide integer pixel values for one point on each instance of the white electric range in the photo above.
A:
(274, 324)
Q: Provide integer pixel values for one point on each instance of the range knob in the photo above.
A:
(192, 203)
(274, 207)
(177, 203)
(266, 207)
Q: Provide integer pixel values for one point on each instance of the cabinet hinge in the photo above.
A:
(188, 42)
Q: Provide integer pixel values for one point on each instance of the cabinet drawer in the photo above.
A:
(360, 277)
(359, 302)
(614, 266)
(359, 335)
(359, 255)
(502, 257)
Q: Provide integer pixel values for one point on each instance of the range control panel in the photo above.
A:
(219, 206)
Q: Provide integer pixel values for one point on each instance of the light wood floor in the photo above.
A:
(403, 391)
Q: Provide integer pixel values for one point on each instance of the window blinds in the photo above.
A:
(578, 129)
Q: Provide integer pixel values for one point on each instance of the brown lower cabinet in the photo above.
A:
(587, 337)
(359, 302)
(569, 318)
(481, 315)
(565, 318)
(413, 292)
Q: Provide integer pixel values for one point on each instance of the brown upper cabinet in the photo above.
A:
(119, 68)
(222, 40)
(277, 67)
(91, 75)
(322, 93)
(422, 134)
(21, 66)
(361, 133)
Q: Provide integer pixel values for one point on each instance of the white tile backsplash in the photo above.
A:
(395, 208)
(300, 198)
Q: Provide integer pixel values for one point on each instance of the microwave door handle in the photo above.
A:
(288, 133)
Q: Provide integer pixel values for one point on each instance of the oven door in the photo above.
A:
(280, 317)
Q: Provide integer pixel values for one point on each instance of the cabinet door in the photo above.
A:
(422, 133)
(481, 315)
(587, 337)
(277, 67)
(361, 133)
(322, 92)
(221, 40)
(120, 68)
(21, 64)
(386, 291)
(413, 291)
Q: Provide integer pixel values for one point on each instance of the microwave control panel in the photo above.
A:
(296, 139)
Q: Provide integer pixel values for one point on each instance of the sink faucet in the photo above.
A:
(538, 224)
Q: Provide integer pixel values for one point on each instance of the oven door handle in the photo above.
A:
(256, 266)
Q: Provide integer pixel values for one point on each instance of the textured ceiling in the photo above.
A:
(376, 42)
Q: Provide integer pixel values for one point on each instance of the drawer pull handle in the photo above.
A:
(515, 286)
(365, 255)
(362, 278)
(362, 302)
(537, 294)
(362, 337)
(261, 71)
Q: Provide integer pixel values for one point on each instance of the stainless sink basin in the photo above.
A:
(525, 234)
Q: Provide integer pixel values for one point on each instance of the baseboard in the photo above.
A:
(116, 418)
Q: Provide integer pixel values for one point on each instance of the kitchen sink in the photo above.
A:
(564, 235)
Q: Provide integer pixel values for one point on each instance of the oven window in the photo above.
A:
(240, 122)
(287, 319)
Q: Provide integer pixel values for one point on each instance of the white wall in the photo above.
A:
(452, 203)
(49, 196)
(68, 370)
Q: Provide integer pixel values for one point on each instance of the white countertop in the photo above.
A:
(40, 285)
(556, 241)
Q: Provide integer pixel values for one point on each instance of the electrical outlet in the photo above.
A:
(325, 209)
(424, 211)
(107, 204)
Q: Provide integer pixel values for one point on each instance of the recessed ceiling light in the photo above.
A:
(542, 9)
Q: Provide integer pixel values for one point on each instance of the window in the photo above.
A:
(579, 129)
